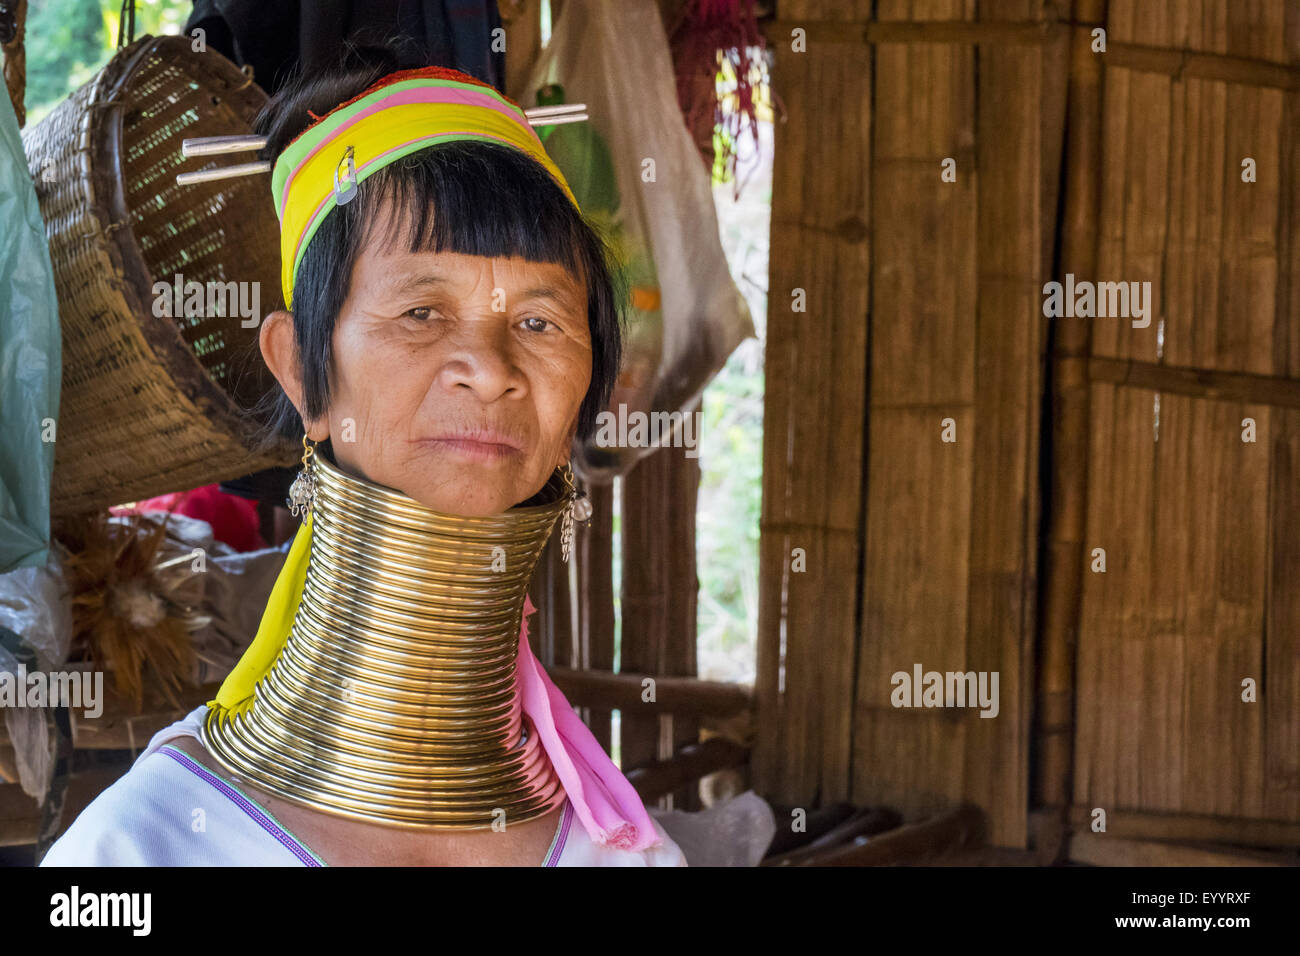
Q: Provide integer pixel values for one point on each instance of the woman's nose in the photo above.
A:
(481, 359)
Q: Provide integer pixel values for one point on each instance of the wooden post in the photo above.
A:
(596, 598)
(1021, 108)
(1070, 435)
(659, 594)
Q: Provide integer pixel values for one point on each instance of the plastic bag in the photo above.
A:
(30, 360)
(34, 605)
(685, 314)
(736, 832)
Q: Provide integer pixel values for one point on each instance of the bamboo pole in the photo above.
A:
(686, 767)
(595, 546)
(1193, 828)
(1103, 849)
(1274, 390)
(960, 32)
(1020, 126)
(682, 728)
(1069, 436)
(1187, 64)
(923, 842)
(659, 598)
(1202, 64)
(643, 602)
(684, 696)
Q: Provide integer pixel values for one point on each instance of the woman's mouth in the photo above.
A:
(475, 446)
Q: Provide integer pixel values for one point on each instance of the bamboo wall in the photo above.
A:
(924, 306)
(1199, 526)
(814, 414)
(1120, 690)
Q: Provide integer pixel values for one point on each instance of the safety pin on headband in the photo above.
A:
(345, 190)
(223, 145)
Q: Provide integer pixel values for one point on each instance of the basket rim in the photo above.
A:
(108, 200)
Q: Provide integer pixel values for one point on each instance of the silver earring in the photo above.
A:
(578, 508)
(303, 488)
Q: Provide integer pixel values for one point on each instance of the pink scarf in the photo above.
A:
(605, 802)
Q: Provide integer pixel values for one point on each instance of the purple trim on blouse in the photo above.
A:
(239, 800)
(554, 858)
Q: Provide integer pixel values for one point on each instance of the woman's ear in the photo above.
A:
(566, 451)
(280, 352)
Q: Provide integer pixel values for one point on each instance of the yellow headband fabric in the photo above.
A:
(312, 175)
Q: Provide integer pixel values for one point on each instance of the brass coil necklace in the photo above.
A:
(393, 699)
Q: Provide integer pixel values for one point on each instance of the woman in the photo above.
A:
(453, 327)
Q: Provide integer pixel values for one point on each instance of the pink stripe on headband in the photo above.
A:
(454, 96)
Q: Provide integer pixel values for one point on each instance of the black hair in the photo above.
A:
(468, 197)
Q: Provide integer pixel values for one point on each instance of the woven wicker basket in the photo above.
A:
(152, 404)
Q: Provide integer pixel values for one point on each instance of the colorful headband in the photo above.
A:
(404, 112)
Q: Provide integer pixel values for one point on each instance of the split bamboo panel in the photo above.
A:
(923, 342)
(949, 578)
(814, 413)
(940, 538)
(1199, 527)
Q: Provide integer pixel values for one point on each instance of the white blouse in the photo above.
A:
(170, 810)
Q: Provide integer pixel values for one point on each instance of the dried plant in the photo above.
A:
(130, 615)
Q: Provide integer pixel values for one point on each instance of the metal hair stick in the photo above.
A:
(537, 112)
(225, 145)
(558, 119)
(222, 172)
(218, 145)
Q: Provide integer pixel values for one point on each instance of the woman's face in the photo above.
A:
(456, 379)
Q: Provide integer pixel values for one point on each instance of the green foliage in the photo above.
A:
(727, 518)
(69, 41)
(65, 46)
(731, 440)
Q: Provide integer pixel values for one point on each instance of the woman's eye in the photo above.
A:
(534, 324)
(419, 312)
